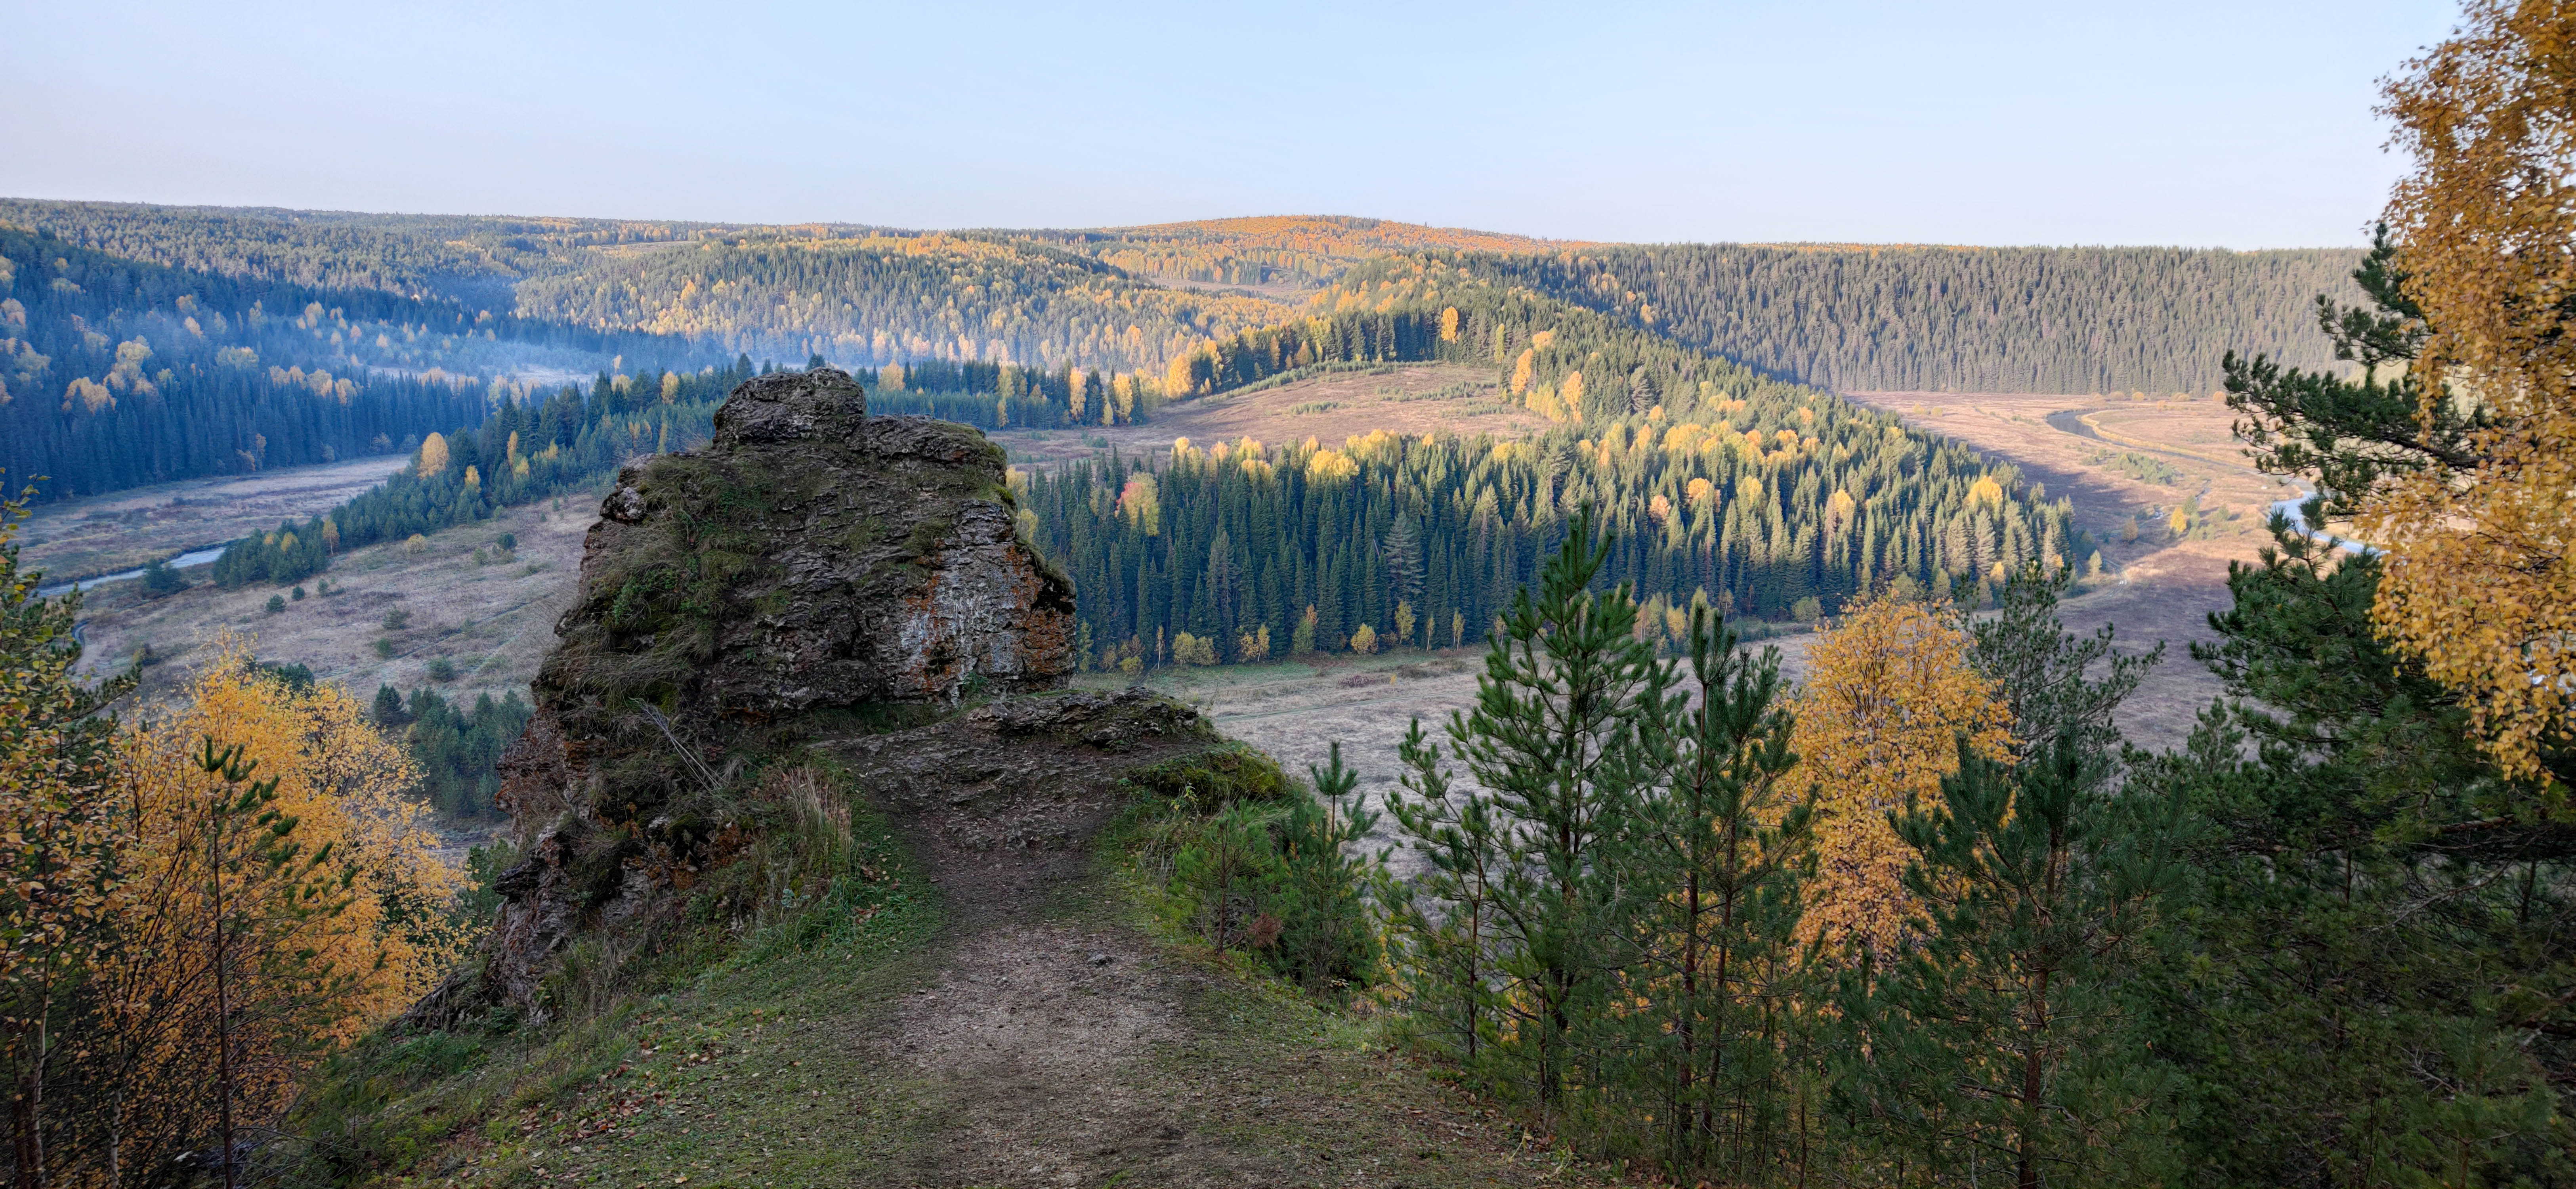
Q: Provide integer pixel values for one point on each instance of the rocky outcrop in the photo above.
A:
(811, 557)
(812, 570)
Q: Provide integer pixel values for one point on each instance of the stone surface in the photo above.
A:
(812, 566)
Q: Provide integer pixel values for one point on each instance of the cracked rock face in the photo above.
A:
(811, 557)
(810, 560)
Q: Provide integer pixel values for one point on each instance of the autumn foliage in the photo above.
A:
(204, 902)
(1889, 691)
(2479, 580)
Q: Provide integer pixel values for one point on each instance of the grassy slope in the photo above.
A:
(780, 1061)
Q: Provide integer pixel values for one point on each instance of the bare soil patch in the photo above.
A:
(1059, 1042)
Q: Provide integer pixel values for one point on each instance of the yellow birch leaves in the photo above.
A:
(2479, 582)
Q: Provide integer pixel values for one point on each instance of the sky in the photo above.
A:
(2243, 124)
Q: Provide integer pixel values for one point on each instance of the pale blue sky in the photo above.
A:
(2243, 124)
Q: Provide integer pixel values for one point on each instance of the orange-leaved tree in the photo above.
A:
(1889, 691)
(2479, 581)
(279, 896)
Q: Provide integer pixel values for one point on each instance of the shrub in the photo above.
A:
(276, 604)
(442, 669)
(396, 621)
(160, 579)
(1248, 862)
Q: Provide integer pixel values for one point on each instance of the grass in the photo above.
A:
(632, 1086)
(762, 1059)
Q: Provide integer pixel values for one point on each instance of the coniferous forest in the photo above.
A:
(1904, 319)
(1721, 487)
(1916, 900)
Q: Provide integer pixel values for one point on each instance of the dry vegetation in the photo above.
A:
(109, 533)
(2164, 588)
(1405, 399)
(492, 619)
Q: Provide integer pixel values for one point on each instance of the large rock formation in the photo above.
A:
(810, 557)
(812, 570)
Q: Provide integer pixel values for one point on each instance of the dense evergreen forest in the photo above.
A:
(455, 746)
(1862, 319)
(460, 256)
(1719, 484)
(118, 373)
(115, 374)
(886, 299)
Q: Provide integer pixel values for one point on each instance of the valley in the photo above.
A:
(485, 614)
(1045, 689)
(492, 619)
(82, 538)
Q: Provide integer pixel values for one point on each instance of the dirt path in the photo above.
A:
(1057, 1041)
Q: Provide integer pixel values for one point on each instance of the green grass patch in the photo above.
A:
(660, 1063)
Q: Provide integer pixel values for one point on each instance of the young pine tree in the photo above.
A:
(1554, 734)
(1443, 930)
(1717, 855)
(2010, 1038)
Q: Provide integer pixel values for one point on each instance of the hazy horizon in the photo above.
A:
(966, 229)
(1993, 124)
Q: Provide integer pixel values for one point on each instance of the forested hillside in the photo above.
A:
(891, 298)
(1720, 484)
(413, 255)
(526, 449)
(1862, 319)
(1851, 317)
(115, 374)
(1293, 252)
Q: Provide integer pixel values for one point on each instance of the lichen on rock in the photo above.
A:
(811, 562)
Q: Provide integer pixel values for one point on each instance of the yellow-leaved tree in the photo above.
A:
(277, 900)
(2479, 581)
(1889, 690)
(433, 455)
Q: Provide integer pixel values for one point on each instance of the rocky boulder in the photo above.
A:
(812, 570)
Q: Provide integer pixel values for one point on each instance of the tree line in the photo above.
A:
(867, 301)
(1299, 251)
(115, 374)
(1874, 317)
(1243, 552)
(1721, 485)
(1947, 319)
